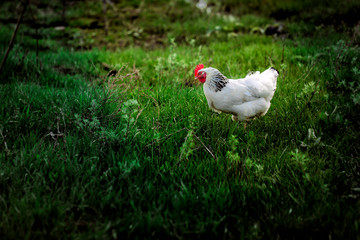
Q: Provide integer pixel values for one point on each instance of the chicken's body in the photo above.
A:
(244, 98)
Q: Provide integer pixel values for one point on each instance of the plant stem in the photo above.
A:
(14, 35)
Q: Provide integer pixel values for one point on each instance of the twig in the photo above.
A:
(63, 118)
(106, 23)
(54, 136)
(306, 74)
(13, 36)
(167, 136)
(206, 148)
(5, 144)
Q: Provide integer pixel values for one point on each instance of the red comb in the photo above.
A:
(198, 67)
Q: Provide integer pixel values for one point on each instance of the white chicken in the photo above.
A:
(244, 98)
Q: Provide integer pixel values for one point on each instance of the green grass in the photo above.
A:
(140, 155)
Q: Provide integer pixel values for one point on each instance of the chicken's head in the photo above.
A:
(200, 74)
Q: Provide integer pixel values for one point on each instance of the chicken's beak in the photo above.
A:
(199, 75)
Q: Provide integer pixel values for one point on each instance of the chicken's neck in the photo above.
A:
(217, 81)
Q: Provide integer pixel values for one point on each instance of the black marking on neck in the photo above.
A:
(220, 81)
